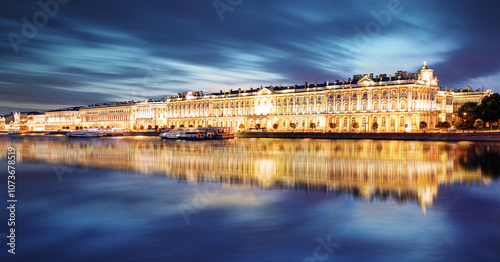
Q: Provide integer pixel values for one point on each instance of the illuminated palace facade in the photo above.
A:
(396, 103)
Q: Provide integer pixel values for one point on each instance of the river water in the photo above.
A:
(146, 199)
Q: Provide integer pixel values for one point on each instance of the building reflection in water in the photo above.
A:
(401, 170)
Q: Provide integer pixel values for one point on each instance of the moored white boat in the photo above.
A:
(200, 133)
(91, 132)
(115, 131)
(187, 134)
(14, 132)
(221, 132)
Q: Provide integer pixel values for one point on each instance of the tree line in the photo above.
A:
(486, 114)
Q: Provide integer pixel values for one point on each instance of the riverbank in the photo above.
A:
(451, 137)
(484, 137)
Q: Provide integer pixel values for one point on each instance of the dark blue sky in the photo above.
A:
(84, 52)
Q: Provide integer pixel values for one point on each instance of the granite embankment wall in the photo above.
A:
(486, 136)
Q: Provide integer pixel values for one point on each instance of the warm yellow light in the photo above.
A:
(263, 109)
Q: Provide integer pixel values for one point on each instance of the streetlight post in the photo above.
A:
(465, 120)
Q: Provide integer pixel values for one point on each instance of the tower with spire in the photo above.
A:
(426, 75)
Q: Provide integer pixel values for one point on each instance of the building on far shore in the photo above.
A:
(396, 103)
(62, 118)
(461, 97)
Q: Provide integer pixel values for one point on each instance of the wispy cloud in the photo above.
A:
(106, 51)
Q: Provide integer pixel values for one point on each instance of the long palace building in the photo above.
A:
(396, 103)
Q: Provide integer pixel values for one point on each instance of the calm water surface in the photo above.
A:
(144, 199)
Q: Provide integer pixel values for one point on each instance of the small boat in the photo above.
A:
(221, 132)
(91, 132)
(115, 131)
(187, 134)
(201, 133)
(14, 132)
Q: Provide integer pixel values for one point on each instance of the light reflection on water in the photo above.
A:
(119, 199)
(383, 169)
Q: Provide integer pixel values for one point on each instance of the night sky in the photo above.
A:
(83, 52)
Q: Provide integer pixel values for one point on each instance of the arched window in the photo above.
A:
(393, 105)
(364, 106)
(375, 105)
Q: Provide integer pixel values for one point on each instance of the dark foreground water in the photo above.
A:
(132, 199)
